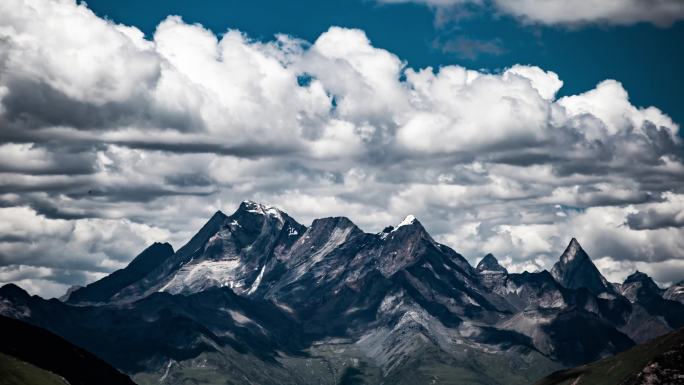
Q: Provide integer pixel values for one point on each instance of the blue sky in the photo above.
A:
(645, 58)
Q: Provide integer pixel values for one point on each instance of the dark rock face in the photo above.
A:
(489, 263)
(655, 362)
(493, 275)
(640, 289)
(52, 353)
(675, 292)
(639, 285)
(164, 327)
(575, 270)
(259, 287)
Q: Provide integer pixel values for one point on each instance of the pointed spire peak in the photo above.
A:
(573, 252)
(219, 213)
(575, 270)
(638, 276)
(490, 263)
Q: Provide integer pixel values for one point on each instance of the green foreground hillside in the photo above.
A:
(660, 361)
(17, 372)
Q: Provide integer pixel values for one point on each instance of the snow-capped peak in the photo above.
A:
(261, 209)
(409, 220)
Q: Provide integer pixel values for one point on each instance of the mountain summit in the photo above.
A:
(490, 263)
(637, 285)
(575, 270)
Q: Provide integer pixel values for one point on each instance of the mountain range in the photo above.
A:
(256, 297)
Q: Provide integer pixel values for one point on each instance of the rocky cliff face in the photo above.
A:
(675, 292)
(575, 270)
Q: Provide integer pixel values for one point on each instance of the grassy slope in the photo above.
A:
(17, 372)
(615, 370)
(344, 364)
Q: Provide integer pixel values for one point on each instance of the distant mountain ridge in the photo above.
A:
(105, 288)
(392, 307)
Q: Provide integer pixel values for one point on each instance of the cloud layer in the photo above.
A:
(662, 13)
(110, 141)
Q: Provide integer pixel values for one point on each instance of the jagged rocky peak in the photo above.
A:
(251, 211)
(639, 277)
(327, 232)
(575, 270)
(410, 225)
(252, 207)
(638, 285)
(490, 264)
(408, 229)
(492, 274)
(404, 245)
(228, 251)
(251, 217)
(675, 292)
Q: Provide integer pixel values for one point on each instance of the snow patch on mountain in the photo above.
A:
(194, 277)
(675, 292)
(261, 209)
(409, 220)
(257, 281)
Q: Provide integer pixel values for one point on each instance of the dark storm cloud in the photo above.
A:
(138, 194)
(12, 238)
(248, 150)
(652, 219)
(187, 180)
(57, 163)
(34, 105)
(662, 13)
